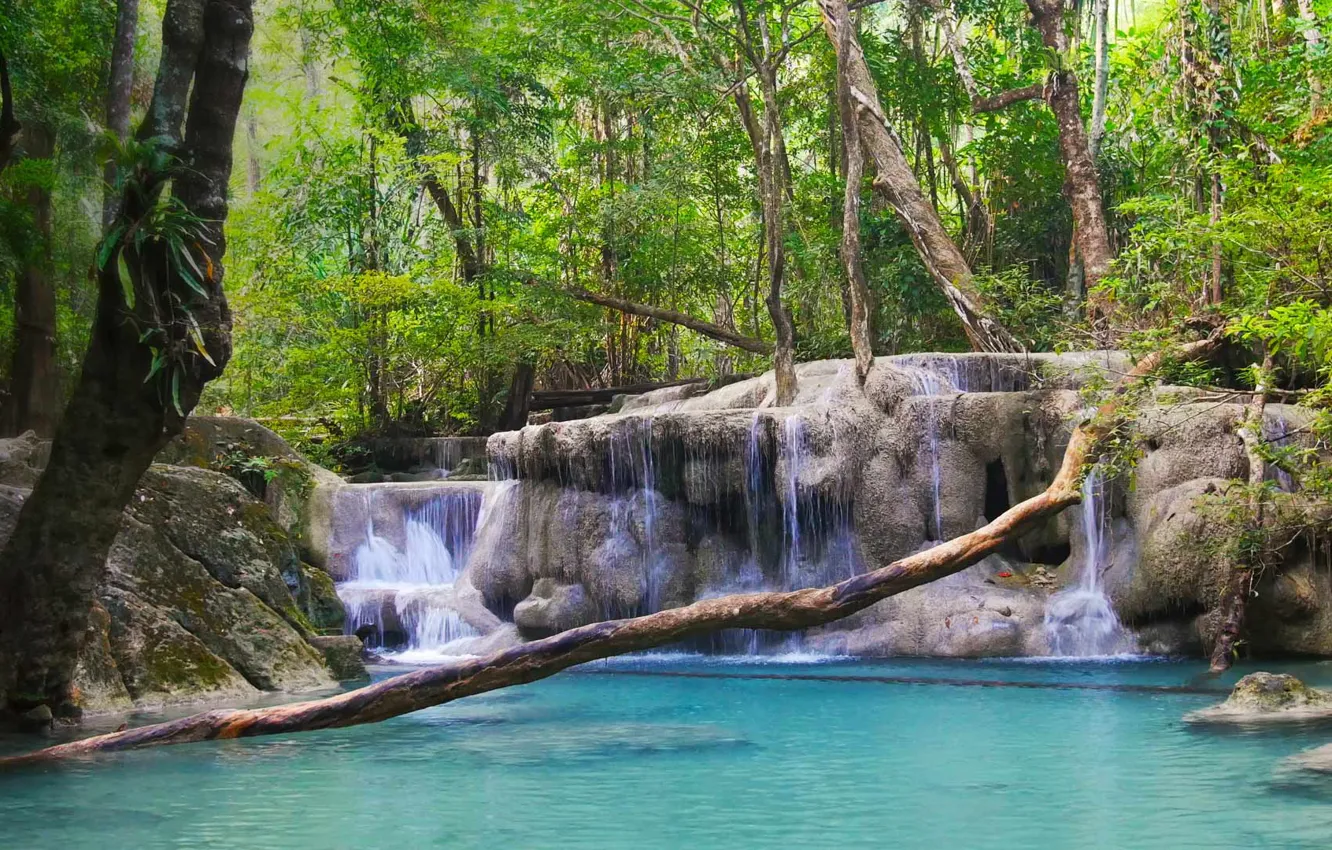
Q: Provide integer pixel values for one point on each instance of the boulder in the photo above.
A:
(554, 606)
(1268, 698)
(268, 466)
(343, 654)
(204, 597)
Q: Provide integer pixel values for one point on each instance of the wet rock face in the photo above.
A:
(743, 496)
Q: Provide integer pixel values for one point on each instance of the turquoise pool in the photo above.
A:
(697, 753)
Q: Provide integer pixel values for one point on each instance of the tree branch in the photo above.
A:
(799, 609)
(1005, 99)
(707, 329)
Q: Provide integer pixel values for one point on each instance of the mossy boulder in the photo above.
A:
(1265, 697)
(344, 655)
(257, 457)
(204, 597)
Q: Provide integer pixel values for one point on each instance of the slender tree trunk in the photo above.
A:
(774, 197)
(899, 188)
(1239, 584)
(118, 96)
(707, 329)
(1313, 40)
(1101, 91)
(117, 421)
(539, 659)
(1091, 237)
(9, 125)
(35, 386)
(857, 287)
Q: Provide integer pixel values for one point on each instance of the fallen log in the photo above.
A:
(783, 611)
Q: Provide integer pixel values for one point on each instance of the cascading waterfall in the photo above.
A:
(417, 581)
(931, 381)
(793, 455)
(1080, 622)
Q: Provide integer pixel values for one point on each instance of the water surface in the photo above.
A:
(698, 753)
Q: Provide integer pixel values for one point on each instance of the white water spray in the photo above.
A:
(1080, 622)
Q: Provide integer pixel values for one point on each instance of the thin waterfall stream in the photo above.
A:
(1080, 621)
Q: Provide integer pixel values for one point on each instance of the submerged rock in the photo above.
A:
(1268, 697)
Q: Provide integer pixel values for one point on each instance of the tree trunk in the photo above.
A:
(774, 196)
(899, 188)
(118, 91)
(9, 125)
(520, 398)
(35, 387)
(539, 659)
(858, 323)
(707, 329)
(117, 421)
(1101, 91)
(1239, 584)
(1313, 39)
(1091, 237)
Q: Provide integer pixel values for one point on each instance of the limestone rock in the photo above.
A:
(343, 653)
(22, 459)
(1268, 697)
(224, 443)
(99, 685)
(552, 607)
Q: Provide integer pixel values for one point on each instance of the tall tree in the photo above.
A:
(896, 182)
(1091, 236)
(161, 332)
(118, 92)
(35, 389)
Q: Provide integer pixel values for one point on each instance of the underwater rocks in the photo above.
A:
(1268, 698)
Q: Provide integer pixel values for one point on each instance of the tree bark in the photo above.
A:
(1239, 584)
(858, 322)
(9, 125)
(1091, 237)
(35, 387)
(897, 184)
(518, 403)
(707, 329)
(116, 420)
(1313, 39)
(1003, 100)
(1101, 90)
(118, 91)
(537, 660)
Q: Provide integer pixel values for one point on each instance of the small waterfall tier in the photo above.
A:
(1079, 620)
(401, 577)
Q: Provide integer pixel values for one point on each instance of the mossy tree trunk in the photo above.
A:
(119, 417)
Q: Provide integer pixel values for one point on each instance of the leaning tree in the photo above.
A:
(162, 331)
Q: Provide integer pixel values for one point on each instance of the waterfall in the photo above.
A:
(405, 596)
(793, 455)
(930, 382)
(1080, 622)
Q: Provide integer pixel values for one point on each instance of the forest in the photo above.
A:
(764, 316)
(437, 205)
